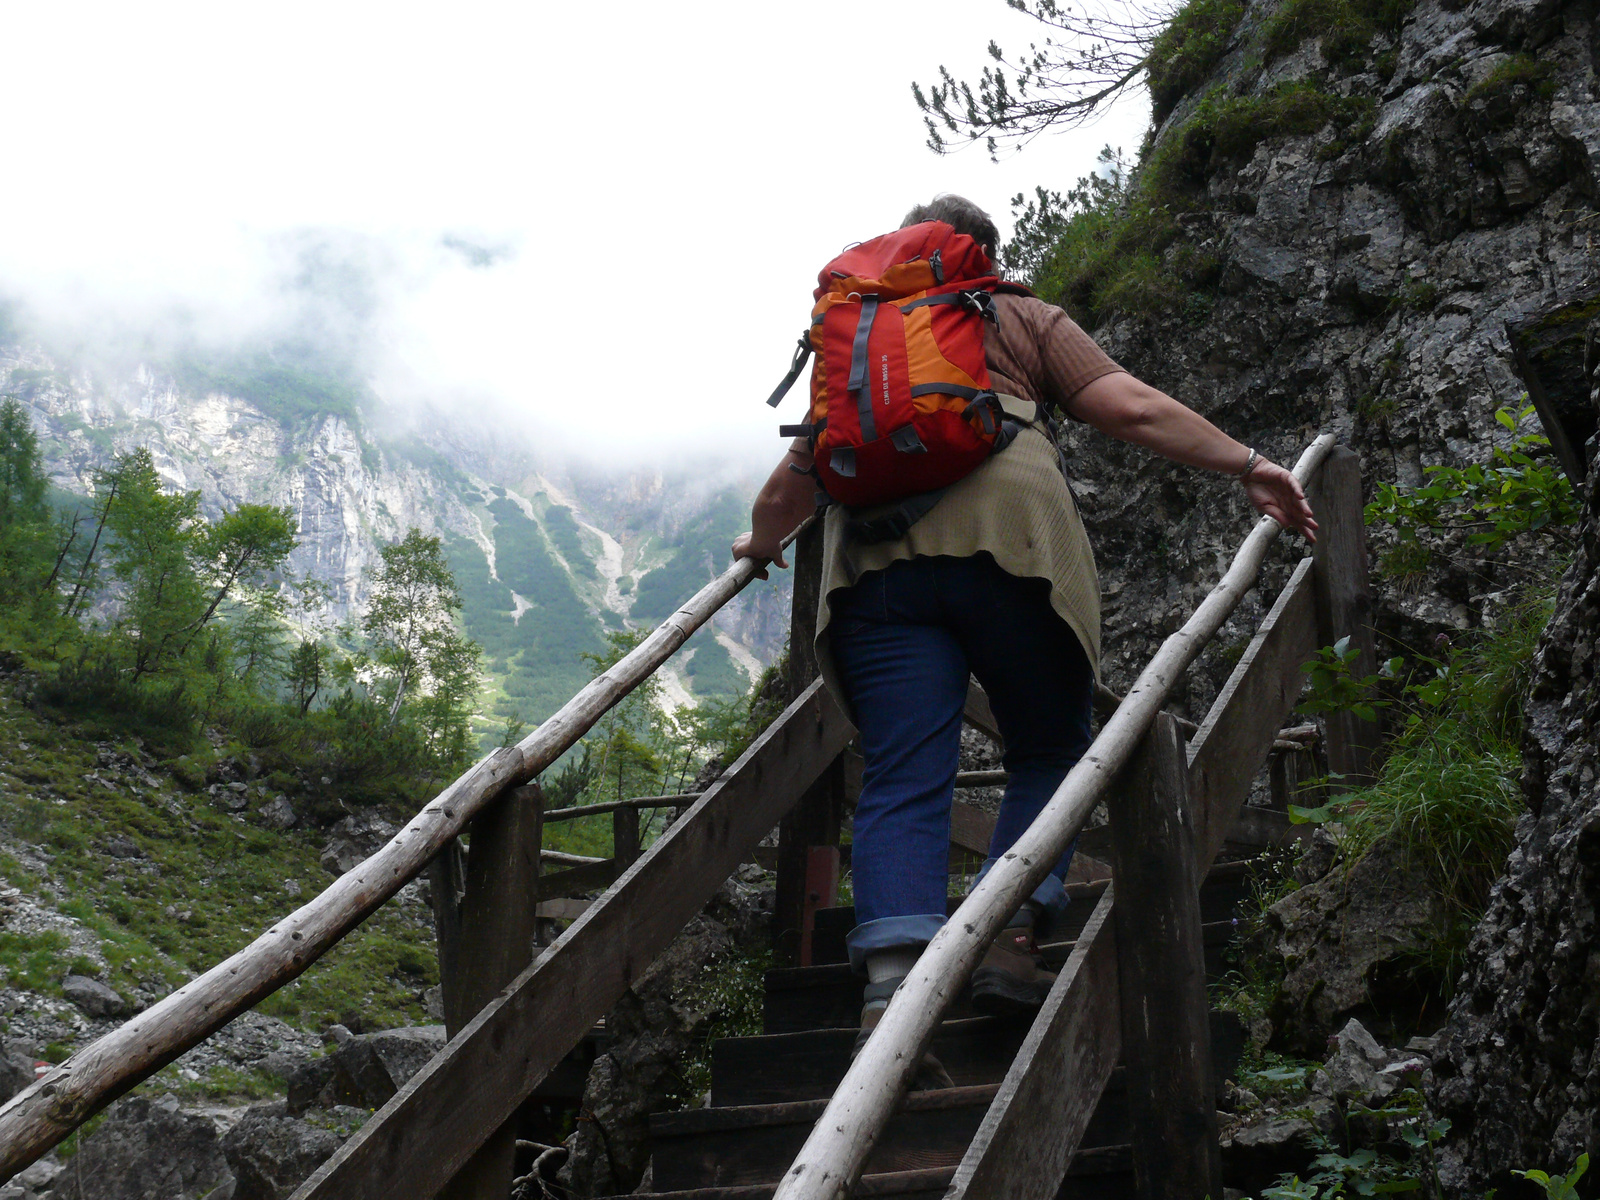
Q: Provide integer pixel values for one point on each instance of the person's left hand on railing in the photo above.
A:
(1277, 493)
(787, 498)
(746, 545)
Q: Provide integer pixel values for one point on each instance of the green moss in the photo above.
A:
(1518, 70)
(1346, 27)
(1130, 256)
(1188, 49)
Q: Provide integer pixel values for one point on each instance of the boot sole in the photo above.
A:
(997, 993)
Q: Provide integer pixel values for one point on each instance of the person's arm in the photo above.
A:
(786, 499)
(1132, 411)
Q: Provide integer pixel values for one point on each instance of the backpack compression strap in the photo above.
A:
(795, 367)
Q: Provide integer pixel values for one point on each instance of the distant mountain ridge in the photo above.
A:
(548, 559)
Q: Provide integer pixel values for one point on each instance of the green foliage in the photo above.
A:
(1447, 790)
(1346, 27)
(23, 511)
(292, 393)
(699, 556)
(1406, 1164)
(1188, 50)
(1515, 494)
(563, 529)
(1118, 243)
(732, 991)
(418, 659)
(1559, 1187)
(1518, 70)
(1334, 686)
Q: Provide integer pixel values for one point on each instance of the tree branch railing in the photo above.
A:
(832, 1158)
(49, 1109)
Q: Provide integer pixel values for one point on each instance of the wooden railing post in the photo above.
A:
(624, 837)
(1161, 975)
(498, 914)
(446, 880)
(1344, 605)
(805, 881)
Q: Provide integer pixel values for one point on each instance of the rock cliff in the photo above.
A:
(1360, 277)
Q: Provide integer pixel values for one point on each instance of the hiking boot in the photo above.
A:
(931, 1075)
(1009, 981)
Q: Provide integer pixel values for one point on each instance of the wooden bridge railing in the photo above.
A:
(1075, 1042)
(511, 1019)
(69, 1093)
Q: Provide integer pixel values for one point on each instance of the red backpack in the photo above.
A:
(901, 406)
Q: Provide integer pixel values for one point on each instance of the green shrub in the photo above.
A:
(1519, 69)
(1188, 49)
(1120, 249)
(1346, 27)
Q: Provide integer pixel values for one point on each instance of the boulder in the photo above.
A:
(365, 1070)
(272, 1152)
(93, 997)
(146, 1148)
(653, 1026)
(1253, 1156)
(354, 839)
(1345, 940)
(278, 813)
(1362, 1071)
(16, 1072)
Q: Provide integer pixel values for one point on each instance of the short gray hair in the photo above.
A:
(962, 215)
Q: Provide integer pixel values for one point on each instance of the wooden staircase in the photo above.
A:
(767, 1091)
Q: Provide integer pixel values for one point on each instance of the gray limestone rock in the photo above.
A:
(146, 1150)
(1339, 936)
(93, 997)
(365, 1070)
(272, 1152)
(354, 839)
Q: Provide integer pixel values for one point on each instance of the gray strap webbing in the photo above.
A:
(947, 389)
(907, 441)
(802, 353)
(843, 462)
(896, 523)
(858, 369)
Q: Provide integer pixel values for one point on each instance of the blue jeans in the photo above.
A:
(904, 640)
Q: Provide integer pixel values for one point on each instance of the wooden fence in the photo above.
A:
(512, 1017)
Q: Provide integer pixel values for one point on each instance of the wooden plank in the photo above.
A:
(1038, 1118)
(446, 879)
(676, 800)
(422, 1135)
(43, 1113)
(1227, 753)
(562, 910)
(497, 923)
(1344, 606)
(970, 827)
(589, 878)
(815, 820)
(1161, 975)
(978, 714)
(625, 836)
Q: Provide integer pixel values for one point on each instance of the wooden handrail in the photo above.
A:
(830, 1162)
(46, 1111)
(680, 800)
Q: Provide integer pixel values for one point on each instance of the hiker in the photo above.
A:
(992, 574)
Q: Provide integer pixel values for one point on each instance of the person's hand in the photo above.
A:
(1277, 493)
(746, 546)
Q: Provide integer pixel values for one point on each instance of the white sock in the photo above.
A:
(890, 964)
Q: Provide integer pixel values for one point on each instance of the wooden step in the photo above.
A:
(721, 1147)
(1226, 888)
(809, 1065)
(1103, 1174)
(829, 996)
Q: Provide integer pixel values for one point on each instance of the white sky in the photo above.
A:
(670, 178)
